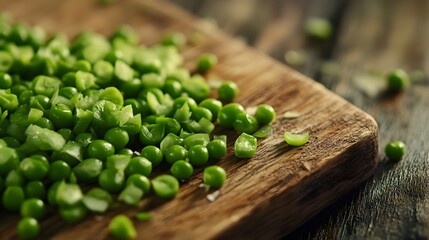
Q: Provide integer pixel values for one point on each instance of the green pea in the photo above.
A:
(28, 228)
(121, 227)
(265, 114)
(214, 176)
(198, 155)
(15, 178)
(245, 146)
(100, 149)
(206, 62)
(175, 153)
(245, 123)
(153, 154)
(35, 167)
(227, 91)
(13, 197)
(181, 170)
(9, 159)
(201, 112)
(139, 165)
(213, 105)
(52, 193)
(175, 39)
(5, 81)
(88, 170)
(61, 116)
(73, 214)
(397, 80)
(68, 92)
(111, 180)
(59, 170)
(106, 114)
(33, 208)
(35, 189)
(117, 137)
(165, 186)
(318, 28)
(82, 65)
(172, 88)
(395, 150)
(152, 134)
(216, 149)
(139, 181)
(228, 114)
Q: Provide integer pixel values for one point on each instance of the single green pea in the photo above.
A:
(395, 150)
(34, 208)
(111, 180)
(59, 170)
(34, 168)
(118, 137)
(198, 155)
(175, 39)
(165, 186)
(15, 178)
(213, 105)
(228, 114)
(216, 149)
(88, 170)
(100, 149)
(35, 189)
(9, 159)
(82, 65)
(67, 92)
(61, 116)
(201, 112)
(214, 176)
(5, 81)
(245, 146)
(13, 197)
(181, 170)
(52, 193)
(153, 154)
(28, 228)
(172, 88)
(265, 114)
(139, 165)
(318, 28)
(122, 227)
(175, 153)
(245, 123)
(206, 62)
(73, 214)
(139, 181)
(227, 91)
(397, 80)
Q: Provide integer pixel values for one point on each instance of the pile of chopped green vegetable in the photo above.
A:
(84, 123)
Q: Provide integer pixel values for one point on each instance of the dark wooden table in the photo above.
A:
(371, 37)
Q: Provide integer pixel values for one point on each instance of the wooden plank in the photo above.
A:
(267, 196)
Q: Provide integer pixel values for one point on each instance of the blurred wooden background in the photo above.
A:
(370, 38)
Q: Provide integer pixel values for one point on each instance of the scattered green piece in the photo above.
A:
(165, 186)
(28, 228)
(143, 216)
(245, 146)
(227, 91)
(296, 140)
(122, 227)
(263, 132)
(214, 176)
(397, 80)
(395, 150)
(265, 114)
(206, 62)
(318, 28)
(182, 170)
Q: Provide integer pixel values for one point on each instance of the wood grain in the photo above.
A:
(370, 36)
(267, 196)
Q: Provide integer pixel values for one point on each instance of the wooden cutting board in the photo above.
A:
(266, 196)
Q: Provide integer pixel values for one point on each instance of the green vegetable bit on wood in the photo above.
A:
(296, 140)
